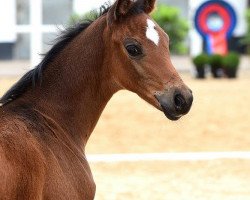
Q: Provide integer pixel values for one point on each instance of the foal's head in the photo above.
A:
(139, 51)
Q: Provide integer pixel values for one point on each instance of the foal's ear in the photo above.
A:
(149, 6)
(119, 10)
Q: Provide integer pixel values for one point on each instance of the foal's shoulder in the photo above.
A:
(21, 159)
(15, 134)
(18, 144)
(10, 123)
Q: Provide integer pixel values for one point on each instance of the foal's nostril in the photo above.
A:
(179, 102)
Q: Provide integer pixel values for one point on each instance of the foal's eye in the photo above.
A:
(134, 50)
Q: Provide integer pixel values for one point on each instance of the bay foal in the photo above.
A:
(47, 117)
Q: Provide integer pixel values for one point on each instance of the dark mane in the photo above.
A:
(32, 77)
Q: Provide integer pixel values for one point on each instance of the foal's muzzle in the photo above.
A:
(175, 102)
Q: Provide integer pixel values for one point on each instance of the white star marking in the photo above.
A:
(151, 32)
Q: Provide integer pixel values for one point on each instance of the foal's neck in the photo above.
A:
(76, 85)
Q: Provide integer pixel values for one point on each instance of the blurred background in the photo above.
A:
(205, 155)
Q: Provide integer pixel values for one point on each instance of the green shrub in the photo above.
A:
(174, 25)
(200, 60)
(246, 39)
(76, 18)
(231, 60)
(215, 61)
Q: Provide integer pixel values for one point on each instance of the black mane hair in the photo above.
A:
(32, 77)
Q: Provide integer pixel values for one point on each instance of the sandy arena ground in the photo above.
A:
(219, 121)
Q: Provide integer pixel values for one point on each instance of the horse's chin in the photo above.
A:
(151, 99)
(167, 111)
(169, 115)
